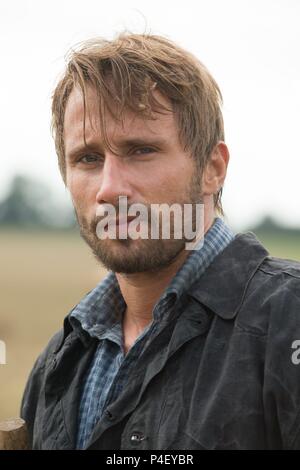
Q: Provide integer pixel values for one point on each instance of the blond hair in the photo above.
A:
(124, 71)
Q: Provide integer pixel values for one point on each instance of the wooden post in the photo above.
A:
(13, 434)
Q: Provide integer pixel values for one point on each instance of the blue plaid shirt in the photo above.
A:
(100, 314)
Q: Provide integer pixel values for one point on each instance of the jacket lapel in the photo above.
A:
(63, 386)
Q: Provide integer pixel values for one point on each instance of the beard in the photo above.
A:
(130, 256)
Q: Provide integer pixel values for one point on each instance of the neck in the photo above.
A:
(141, 291)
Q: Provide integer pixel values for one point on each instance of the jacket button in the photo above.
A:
(137, 437)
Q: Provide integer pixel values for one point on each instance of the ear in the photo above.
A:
(215, 170)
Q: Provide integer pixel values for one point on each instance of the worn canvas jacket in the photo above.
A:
(224, 373)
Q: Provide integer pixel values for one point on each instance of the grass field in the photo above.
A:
(42, 276)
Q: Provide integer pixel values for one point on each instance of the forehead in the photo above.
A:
(163, 125)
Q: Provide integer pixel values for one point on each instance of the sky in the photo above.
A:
(250, 47)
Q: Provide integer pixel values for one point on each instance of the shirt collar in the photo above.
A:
(215, 240)
(101, 309)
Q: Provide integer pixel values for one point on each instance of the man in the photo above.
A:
(176, 348)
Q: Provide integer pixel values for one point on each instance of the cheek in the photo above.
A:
(82, 190)
(172, 179)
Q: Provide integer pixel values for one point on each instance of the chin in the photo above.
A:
(136, 256)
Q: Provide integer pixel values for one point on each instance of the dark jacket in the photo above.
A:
(221, 375)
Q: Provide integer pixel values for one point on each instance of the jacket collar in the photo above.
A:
(223, 285)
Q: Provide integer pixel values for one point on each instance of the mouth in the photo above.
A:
(125, 220)
(120, 222)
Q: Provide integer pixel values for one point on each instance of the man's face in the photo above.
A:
(148, 166)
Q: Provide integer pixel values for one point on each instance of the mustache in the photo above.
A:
(113, 212)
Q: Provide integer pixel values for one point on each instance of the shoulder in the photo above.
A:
(278, 282)
(271, 299)
(35, 382)
(273, 266)
(277, 285)
(43, 359)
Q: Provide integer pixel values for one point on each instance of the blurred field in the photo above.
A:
(283, 246)
(42, 276)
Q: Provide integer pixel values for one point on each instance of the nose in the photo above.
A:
(114, 181)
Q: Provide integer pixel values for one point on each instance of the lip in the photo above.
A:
(124, 220)
(119, 222)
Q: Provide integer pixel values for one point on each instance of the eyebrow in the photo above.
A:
(122, 144)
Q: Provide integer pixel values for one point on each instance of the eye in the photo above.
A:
(144, 150)
(89, 159)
